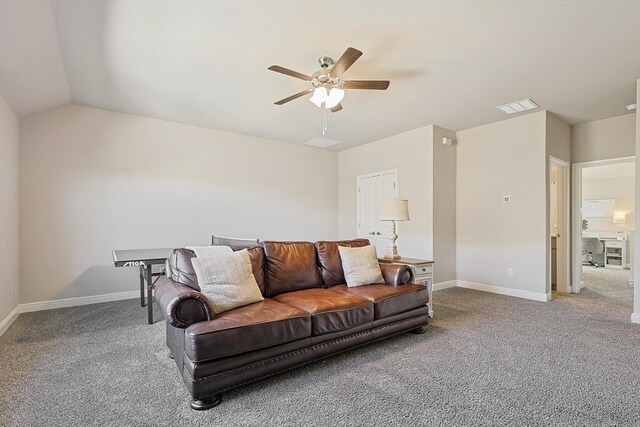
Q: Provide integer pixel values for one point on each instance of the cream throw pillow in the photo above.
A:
(360, 265)
(227, 280)
(208, 251)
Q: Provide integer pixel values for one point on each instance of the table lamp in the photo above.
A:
(619, 218)
(394, 210)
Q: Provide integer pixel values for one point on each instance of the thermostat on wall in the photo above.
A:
(506, 199)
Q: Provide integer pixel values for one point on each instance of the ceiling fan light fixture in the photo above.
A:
(319, 96)
(335, 96)
(327, 84)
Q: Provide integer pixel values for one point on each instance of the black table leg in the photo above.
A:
(149, 279)
(141, 286)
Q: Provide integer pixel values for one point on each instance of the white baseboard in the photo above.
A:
(444, 285)
(7, 321)
(635, 318)
(72, 302)
(535, 296)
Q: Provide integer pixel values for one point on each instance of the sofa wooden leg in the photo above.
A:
(208, 403)
(420, 330)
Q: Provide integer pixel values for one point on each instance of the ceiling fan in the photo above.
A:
(327, 84)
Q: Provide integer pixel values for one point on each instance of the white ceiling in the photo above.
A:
(32, 77)
(618, 170)
(450, 63)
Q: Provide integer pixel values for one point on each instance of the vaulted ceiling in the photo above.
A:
(205, 62)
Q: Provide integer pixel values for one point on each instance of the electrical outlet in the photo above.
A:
(510, 272)
(11, 288)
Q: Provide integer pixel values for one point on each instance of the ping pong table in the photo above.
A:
(145, 259)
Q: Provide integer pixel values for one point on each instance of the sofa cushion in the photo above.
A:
(329, 259)
(389, 300)
(331, 311)
(291, 266)
(256, 254)
(181, 269)
(252, 327)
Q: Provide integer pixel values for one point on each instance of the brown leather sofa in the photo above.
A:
(308, 314)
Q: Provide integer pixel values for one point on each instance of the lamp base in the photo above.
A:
(392, 248)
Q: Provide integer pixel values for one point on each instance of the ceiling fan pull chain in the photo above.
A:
(324, 120)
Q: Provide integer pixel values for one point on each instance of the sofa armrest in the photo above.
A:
(181, 305)
(396, 274)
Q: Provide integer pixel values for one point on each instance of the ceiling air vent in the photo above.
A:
(518, 106)
(321, 142)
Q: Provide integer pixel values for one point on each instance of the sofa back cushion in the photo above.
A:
(291, 266)
(256, 254)
(181, 269)
(330, 262)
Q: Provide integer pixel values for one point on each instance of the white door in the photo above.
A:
(372, 189)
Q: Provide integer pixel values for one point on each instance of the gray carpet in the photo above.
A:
(485, 360)
(610, 283)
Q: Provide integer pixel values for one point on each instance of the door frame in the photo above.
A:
(359, 178)
(563, 243)
(576, 276)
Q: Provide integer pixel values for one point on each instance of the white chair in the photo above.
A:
(590, 246)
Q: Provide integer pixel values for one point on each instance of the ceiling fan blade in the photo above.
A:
(292, 97)
(336, 108)
(346, 60)
(288, 72)
(366, 84)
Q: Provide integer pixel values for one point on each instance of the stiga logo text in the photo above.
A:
(133, 263)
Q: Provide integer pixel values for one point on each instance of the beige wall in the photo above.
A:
(9, 239)
(444, 206)
(503, 158)
(604, 139)
(93, 180)
(411, 154)
(558, 137)
(426, 177)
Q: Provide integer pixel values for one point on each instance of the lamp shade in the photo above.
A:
(619, 218)
(319, 96)
(394, 210)
(335, 96)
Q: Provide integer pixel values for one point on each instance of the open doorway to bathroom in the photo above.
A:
(605, 226)
(558, 243)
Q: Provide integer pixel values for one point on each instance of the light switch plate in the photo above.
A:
(506, 199)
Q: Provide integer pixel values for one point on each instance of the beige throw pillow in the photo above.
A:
(208, 251)
(227, 280)
(360, 265)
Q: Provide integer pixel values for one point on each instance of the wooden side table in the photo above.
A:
(422, 274)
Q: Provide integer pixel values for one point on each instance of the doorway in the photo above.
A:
(372, 189)
(559, 220)
(603, 238)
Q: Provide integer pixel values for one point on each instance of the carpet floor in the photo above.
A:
(610, 283)
(486, 359)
